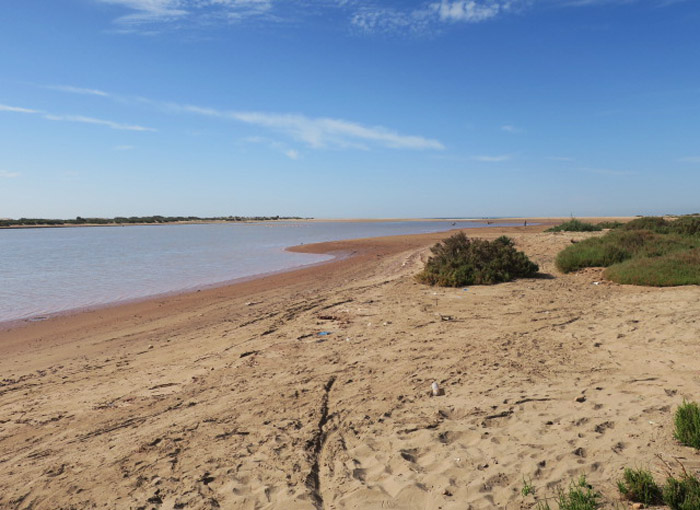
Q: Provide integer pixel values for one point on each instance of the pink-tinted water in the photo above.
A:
(47, 271)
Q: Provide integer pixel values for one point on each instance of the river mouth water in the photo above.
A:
(46, 271)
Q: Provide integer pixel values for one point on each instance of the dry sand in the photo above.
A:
(229, 398)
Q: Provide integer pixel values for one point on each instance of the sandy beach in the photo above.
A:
(311, 389)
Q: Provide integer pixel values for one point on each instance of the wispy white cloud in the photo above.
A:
(124, 148)
(510, 128)
(8, 175)
(75, 118)
(99, 122)
(77, 90)
(16, 109)
(292, 154)
(273, 145)
(690, 159)
(149, 10)
(162, 11)
(318, 132)
(373, 19)
(471, 11)
(493, 159)
(326, 132)
(371, 16)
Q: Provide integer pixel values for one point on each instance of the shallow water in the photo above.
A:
(51, 270)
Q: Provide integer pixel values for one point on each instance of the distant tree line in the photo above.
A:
(119, 220)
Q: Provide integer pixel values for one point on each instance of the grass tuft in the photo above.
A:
(687, 422)
(618, 246)
(639, 257)
(684, 225)
(580, 496)
(574, 225)
(678, 268)
(682, 493)
(528, 488)
(639, 486)
(653, 223)
(459, 261)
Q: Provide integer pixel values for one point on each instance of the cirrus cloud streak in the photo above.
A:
(75, 118)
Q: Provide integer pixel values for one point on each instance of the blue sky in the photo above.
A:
(348, 108)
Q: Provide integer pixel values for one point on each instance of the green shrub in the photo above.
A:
(653, 223)
(639, 486)
(683, 493)
(687, 422)
(618, 246)
(574, 225)
(686, 225)
(596, 252)
(458, 261)
(677, 268)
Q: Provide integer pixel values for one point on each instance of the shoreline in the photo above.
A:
(335, 253)
(360, 250)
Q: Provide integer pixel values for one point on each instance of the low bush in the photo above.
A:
(574, 225)
(595, 252)
(618, 246)
(682, 493)
(653, 223)
(458, 261)
(686, 225)
(687, 424)
(678, 268)
(639, 486)
(683, 225)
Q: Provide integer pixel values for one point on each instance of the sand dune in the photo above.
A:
(230, 398)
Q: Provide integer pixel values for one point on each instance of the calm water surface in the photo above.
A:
(47, 271)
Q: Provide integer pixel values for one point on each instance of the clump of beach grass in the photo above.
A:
(458, 261)
(653, 223)
(653, 251)
(682, 493)
(683, 225)
(638, 485)
(679, 268)
(579, 496)
(574, 225)
(687, 424)
(618, 246)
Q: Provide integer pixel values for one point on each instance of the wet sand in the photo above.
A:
(230, 398)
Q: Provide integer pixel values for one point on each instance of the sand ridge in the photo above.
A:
(230, 398)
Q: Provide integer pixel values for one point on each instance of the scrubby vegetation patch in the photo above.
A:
(459, 261)
(580, 496)
(574, 225)
(646, 251)
(687, 424)
(682, 493)
(679, 268)
(638, 485)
